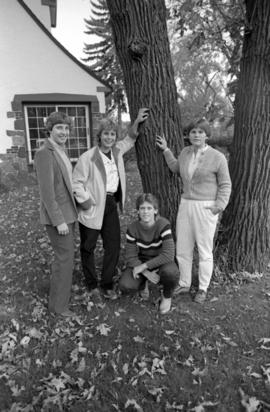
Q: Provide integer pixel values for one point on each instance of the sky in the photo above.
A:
(70, 25)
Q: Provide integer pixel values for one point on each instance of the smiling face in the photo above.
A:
(60, 133)
(147, 213)
(197, 137)
(107, 139)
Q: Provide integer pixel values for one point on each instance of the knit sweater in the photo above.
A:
(211, 179)
(153, 245)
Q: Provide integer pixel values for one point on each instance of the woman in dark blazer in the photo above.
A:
(57, 209)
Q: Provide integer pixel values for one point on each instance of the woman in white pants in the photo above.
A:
(206, 187)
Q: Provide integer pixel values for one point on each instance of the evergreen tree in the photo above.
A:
(101, 55)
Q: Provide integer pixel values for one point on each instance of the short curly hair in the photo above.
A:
(201, 123)
(57, 118)
(107, 124)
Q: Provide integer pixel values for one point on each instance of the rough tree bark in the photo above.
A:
(142, 46)
(247, 219)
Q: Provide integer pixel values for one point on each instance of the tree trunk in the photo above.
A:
(142, 46)
(247, 219)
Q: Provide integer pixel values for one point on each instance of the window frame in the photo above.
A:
(57, 106)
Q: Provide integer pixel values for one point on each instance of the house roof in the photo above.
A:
(53, 10)
(108, 89)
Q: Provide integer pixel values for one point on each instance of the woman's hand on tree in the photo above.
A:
(142, 114)
(161, 142)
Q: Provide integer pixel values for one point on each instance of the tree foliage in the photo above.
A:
(201, 81)
(205, 46)
(213, 27)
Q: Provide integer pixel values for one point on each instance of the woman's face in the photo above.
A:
(197, 137)
(107, 139)
(147, 213)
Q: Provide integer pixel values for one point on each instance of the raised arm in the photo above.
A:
(141, 117)
(128, 142)
(171, 161)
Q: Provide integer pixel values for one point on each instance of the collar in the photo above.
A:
(55, 145)
(202, 150)
(106, 154)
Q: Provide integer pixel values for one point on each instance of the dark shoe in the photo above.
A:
(200, 296)
(181, 290)
(94, 292)
(110, 294)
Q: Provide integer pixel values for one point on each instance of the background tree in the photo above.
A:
(247, 219)
(212, 26)
(201, 77)
(205, 46)
(141, 41)
(101, 55)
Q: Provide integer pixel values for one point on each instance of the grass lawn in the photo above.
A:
(122, 355)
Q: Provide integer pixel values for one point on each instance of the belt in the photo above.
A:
(110, 194)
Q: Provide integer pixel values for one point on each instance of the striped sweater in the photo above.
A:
(153, 245)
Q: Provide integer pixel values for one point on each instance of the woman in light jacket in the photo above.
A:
(98, 185)
(206, 189)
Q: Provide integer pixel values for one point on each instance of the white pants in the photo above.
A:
(197, 224)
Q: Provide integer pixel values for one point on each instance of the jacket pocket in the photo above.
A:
(89, 213)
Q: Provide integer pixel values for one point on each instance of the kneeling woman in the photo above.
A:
(150, 253)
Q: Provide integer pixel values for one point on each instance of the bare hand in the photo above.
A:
(138, 270)
(161, 142)
(214, 209)
(62, 229)
(143, 114)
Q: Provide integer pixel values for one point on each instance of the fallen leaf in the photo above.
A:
(132, 402)
(25, 341)
(103, 329)
(138, 339)
(81, 366)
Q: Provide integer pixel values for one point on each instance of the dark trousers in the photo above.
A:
(110, 234)
(62, 268)
(169, 278)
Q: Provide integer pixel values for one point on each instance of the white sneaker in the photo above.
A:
(165, 305)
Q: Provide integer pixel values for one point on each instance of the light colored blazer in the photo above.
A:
(57, 204)
(89, 182)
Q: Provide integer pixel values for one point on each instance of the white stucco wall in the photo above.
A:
(32, 63)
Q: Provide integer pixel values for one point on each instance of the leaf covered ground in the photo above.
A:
(122, 355)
